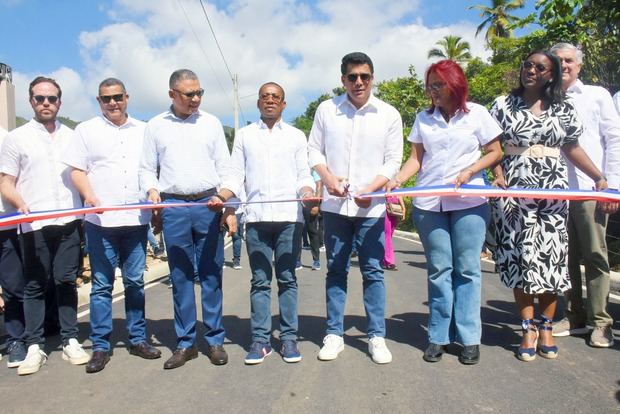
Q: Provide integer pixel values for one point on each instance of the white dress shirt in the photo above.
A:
(191, 153)
(601, 135)
(449, 148)
(5, 206)
(34, 157)
(617, 101)
(110, 156)
(274, 166)
(358, 145)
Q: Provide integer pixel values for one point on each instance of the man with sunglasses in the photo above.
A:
(587, 220)
(356, 146)
(104, 157)
(270, 161)
(188, 148)
(34, 178)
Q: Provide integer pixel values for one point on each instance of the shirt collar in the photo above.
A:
(36, 124)
(262, 125)
(370, 104)
(576, 87)
(172, 115)
(128, 122)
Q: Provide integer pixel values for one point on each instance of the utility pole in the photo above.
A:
(7, 98)
(236, 101)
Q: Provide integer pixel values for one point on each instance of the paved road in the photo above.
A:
(582, 379)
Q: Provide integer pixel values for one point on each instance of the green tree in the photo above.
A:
(304, 121)
(488, 81)
(497, 18)
(452, 47)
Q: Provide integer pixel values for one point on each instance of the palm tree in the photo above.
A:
(452, 47)
(497, 18)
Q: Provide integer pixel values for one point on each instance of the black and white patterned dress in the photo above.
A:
(532, 241)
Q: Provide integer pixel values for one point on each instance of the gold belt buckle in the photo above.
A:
(537, 151)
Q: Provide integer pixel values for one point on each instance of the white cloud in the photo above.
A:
(149, 39)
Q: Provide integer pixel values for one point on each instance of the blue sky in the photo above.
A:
(296, 43)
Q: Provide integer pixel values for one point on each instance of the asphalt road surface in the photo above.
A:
(582, 379)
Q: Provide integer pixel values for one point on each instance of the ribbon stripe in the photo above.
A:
(430, 191)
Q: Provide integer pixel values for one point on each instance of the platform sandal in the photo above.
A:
(549, 352)
(528, 354)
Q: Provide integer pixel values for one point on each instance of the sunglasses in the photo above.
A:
(365, 77)
(435, 87)
(40, 99)
(266, 96)
(540, 68)
(107, 98)
(191, 94)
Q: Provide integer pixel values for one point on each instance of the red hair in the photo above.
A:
(452, 74)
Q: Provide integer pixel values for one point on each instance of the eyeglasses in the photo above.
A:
(40, 99)
(365, 77)
(435, 87)
(107, 98)
(191, 94)
(540, 68)
(267, 95)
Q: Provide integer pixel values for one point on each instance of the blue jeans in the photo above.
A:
(367, 233)
(194, 241)
(12, 283)
(452, 243)
(112, 247)
(237, 238)
(282, 241)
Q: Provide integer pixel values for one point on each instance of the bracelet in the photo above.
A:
(220, 197)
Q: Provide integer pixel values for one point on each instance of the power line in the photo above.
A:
(200, 45)
(215, 38)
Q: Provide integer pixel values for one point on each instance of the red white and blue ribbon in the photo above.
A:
(431, 191)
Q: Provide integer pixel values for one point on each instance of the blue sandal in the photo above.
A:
(549, 352)
(528, 354)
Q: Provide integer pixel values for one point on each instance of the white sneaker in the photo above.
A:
(379, 351)
(332, 346)
(35, 359)
(74, 353)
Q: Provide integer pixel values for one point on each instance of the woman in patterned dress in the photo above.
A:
(540, 128)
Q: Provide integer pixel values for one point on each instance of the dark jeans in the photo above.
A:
(280, 241)
(194, 242)
(237, 238)
(53, 251)
(12, 282)
(312, 225)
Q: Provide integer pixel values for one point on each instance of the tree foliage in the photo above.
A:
(497, 18)
(453, 48)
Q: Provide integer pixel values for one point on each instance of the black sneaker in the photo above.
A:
(434, 352)
(17, 354)
(470, 355)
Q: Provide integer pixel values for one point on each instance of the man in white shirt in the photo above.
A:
(587, 221)
(188, 148)
(270, 160)
(104, 157)
(34, 178)
(356, 146)
(12, 283)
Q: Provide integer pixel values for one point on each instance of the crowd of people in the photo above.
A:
(550, 132)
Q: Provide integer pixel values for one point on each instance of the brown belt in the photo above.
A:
(535, 151)
(189, 197)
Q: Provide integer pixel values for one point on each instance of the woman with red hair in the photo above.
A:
(452, 142)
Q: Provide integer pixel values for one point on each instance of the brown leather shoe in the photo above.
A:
(145, 350)
(180, 357)
(217, 354)
(97, 361)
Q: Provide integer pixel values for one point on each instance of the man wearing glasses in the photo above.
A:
(104, 158)
(188, 148)
(587, 220)
(356, 146)
(270, 160)
(34, 178)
